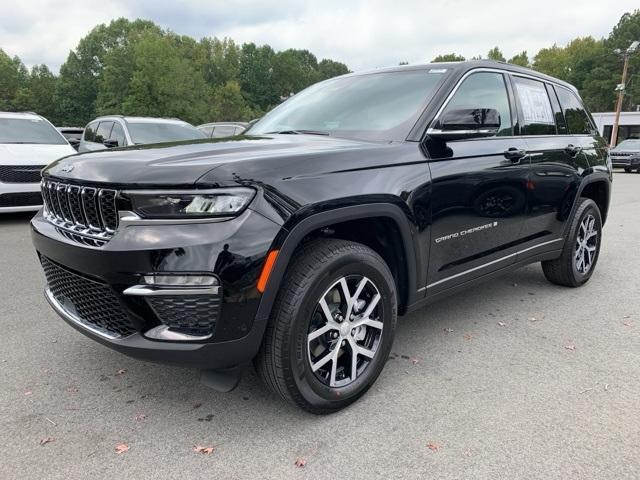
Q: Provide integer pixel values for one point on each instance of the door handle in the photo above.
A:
(515, 154)
(573, 150)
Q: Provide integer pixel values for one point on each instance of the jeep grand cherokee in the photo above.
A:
(296, 245)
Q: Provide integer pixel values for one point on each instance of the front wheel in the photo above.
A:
(580, 254)
(331, 327)
(627, 169)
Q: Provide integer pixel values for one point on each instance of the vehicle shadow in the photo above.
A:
(10, 219)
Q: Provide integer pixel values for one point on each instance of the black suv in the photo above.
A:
(297, 244)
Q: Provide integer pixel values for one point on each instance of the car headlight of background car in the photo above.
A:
(220, 202)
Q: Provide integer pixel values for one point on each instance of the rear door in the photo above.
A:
(478, 190)
(557, 162)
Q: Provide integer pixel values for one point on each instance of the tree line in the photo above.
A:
(137, 68)
(590, 64)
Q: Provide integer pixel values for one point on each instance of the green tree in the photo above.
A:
(496, 54)
(256, 76)
(37, 94)
(521, 59)
(329, 68)
(164, 82)
(228, 104)
(77, 89)
(448, 57)
(13, 77)
(222, 60)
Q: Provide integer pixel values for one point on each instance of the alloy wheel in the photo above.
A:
(586, 244)
(345, 330)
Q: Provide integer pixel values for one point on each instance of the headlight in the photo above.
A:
(220, 202)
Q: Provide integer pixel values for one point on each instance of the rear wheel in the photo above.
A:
(331, 328)
(627, 169)
(580, 254)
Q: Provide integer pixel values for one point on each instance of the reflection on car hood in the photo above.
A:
(183, 163)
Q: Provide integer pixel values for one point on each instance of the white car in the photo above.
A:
(28, 143)
(120, 131)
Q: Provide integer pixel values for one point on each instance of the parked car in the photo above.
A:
(364, 197)
(120, 131)
(627, 155)
(28, 143)
(72, 134)
(223, 129)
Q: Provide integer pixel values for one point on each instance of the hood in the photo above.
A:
(183, 163)
(32, 154)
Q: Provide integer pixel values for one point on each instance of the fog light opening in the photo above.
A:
(174, 280)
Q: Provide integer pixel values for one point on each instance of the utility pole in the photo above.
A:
(621, 88)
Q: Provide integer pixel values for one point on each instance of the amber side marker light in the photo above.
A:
(266, 270)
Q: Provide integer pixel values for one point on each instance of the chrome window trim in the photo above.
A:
(493, 262)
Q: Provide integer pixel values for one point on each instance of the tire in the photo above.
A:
(566, 269)
(294, 345)
(627, 169)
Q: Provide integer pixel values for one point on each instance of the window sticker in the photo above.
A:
(535, 104)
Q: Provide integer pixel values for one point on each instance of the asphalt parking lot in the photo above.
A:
(513, 379)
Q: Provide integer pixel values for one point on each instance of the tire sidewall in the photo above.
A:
(311, 388)
(588, 207)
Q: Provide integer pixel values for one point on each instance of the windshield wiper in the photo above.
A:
(298, 132)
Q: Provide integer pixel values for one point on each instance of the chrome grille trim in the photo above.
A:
(87, 215)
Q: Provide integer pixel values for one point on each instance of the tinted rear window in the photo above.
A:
(29, 130)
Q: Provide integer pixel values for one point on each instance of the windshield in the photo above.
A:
(29, 130)
(148, 132)
(629, 145)
(377, 106)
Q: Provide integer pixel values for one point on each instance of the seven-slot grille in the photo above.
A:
(20, 173)
(85, 214)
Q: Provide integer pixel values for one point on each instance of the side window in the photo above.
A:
(103, 131)
(575, 115)
(557, 111)
(207, 131)
(484, 90)
(117, 133)
(224, 131)
(535, 107)
(239, 130)
(90, 132)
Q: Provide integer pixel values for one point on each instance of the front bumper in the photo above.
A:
(622, 162)
(20, 197)
(233, 250)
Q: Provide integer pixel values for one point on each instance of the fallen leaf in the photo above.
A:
(570, 347)
(28, 392)
(122, 371)
(140, 417)
(414, 360)
(203, 450)
(72, 389)
(502, 324)
(44, 441)
(122, 448)
(448, 330)
(627, 324)
(197, 405)
(300, 462)
(433, 446)
(468, 337)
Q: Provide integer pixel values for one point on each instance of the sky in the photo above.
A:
(361, 33)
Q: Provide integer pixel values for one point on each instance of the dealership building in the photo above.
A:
(629, 125)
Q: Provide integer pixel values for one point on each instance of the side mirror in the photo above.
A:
(466, 123)
(110, 143)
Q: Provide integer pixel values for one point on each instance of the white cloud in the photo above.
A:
(361, 33)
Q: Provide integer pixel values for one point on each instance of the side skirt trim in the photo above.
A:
(493, 262)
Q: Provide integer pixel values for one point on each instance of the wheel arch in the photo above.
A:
(291, 238)
(597, 187)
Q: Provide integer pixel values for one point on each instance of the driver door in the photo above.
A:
(479, 190)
